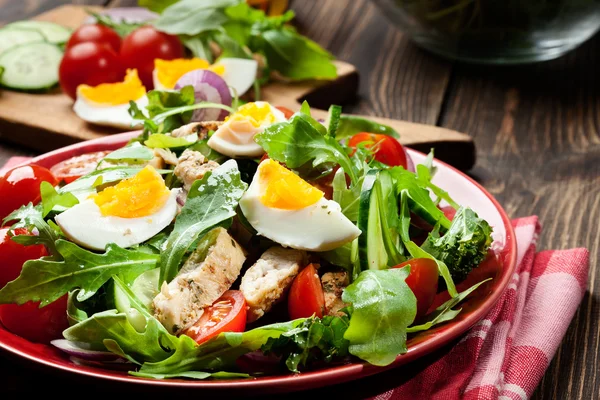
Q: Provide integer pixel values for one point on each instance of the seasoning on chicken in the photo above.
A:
(334, 284)
(205, 276)
(201, 128)
(267, 281)
(193, 165)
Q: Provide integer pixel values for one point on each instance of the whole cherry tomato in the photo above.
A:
(95, 33)
(387, 149)
(75, 167)
(306, 296)
(227, 314)
(89, 63)
(21, 185)
(423, 281)
(145, 44)
(28, 320)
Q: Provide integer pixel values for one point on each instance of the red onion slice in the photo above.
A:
(410, 165)
(131, 15)
(80, 351)
(208, 86)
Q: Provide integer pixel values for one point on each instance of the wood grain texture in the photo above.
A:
(537, 129)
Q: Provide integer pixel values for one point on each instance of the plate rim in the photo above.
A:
(305, 380)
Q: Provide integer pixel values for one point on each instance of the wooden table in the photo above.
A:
(537, 130)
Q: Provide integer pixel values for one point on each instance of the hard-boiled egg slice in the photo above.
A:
(128, 213)
(238, 73)
(108, 103)
(288, 210)
(235, 137)
(166, 73)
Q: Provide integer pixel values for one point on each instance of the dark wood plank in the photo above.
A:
(537, 129)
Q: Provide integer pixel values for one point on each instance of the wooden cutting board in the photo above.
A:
(46, 121)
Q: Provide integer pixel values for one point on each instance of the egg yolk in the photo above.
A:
(283, 189)
(139, 196)
(257, 114)
(168, 72)
(115, 93)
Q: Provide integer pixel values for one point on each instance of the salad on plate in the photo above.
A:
(234, 240)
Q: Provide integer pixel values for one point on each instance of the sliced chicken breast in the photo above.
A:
(192, 165)
(205, 276)
(334, 284)
(267, 281)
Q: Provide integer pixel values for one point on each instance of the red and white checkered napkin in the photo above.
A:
(505, 355)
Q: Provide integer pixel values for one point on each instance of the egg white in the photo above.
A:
(85, 225)
(236, 138)
(108, 115)
(319, 227)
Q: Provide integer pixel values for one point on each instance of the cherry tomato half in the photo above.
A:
(75, 167)
(28, 320)
(423, 281)
(387, 149)
(95, 33)
(306, 295)
(145, 44)
(287, 113)
(21, 185)
(227, 314)
(14, 255)
(89, 63)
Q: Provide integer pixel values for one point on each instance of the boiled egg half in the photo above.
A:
(129, 213)
(235, 137)
(108, 103)
(288, 210)
(238, 73)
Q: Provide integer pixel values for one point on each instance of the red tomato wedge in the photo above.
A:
(227, 314)
(306, 295)
(287, 113)
(387, 149)
(21, 185)
(78, 166)
(423, 281)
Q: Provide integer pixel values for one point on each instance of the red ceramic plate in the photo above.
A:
(462, 188)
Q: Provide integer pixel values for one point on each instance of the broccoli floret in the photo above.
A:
(463, 246)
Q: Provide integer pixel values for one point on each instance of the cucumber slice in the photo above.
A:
(145, 286)
(52, 32)
(10, 38)
(31, 66)
(371, 249)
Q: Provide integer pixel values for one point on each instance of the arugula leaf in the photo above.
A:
(313, 340)
(383, 307)
(424, 177)
(133, 152)
(199, 45)
(445, 313)
(191, 17)
(162, 141)
(218, 353)
(303, 139)
(51, 199)
(211, 200)
(122, 28)
(294, 57)
(30, 217)
(46, 280)
(350, 125)
(463, 246)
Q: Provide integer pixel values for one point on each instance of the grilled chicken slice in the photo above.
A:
(201, 128)
(334, 284)
(267, 281)
(205, 276)
(192, 165)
